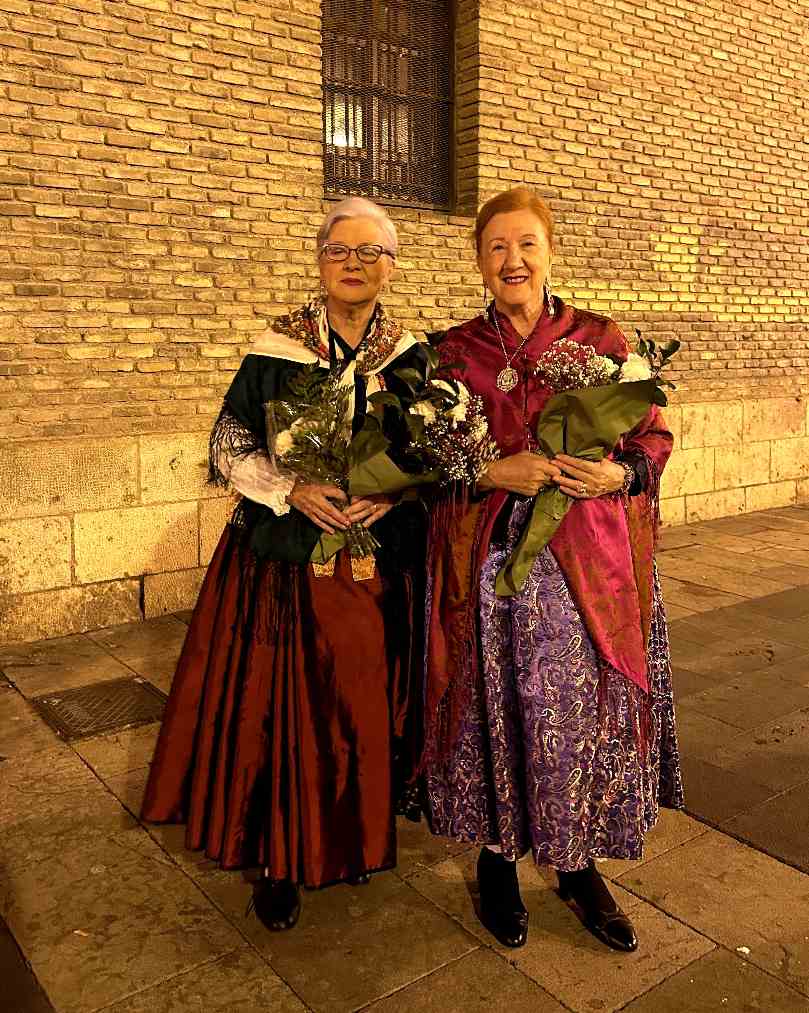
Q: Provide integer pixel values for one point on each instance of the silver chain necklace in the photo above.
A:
(508, 377)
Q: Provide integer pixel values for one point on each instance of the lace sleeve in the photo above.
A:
(237, 460)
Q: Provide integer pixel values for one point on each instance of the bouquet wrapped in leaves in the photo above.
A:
(432, 432)
(598, 401)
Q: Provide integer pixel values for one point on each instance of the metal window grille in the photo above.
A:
(388, 100)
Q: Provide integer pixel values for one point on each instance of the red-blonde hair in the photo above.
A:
(521, 198)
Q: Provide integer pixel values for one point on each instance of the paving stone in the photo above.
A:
(150, 648)
(46, 799)
(780, 826)
(129, 788)
(790, 604)
(673, 829)
(696, 597)
(22, 730)
(697, 566)
(737, 897)
(686, 683)
(700, 736)
(715, 793)
(561, 955)
(750, 700)
(111, 917)
(63, 663)
(477, 983)
(720, 981)
(240, 982)
(750, 622)
(339, 956)
(119, 752)
(417, 848)
(775, 754)
(720, 658)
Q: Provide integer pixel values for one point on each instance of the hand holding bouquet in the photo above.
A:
(597, 401)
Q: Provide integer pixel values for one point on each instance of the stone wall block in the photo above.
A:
(673, 415)
(708, 505)
(790, 459)
(774, 418)
(174, 467)
(171, 592)
(213, 516)
(35, 554)
(62, 476)
(712, 425)
(126, 543)
(689, 471)
(739, 466)
(68, 610)
(672, 511)
(766, 497)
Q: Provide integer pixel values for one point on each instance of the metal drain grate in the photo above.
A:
(101, 707)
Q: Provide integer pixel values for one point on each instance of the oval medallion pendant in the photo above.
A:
(507, 379)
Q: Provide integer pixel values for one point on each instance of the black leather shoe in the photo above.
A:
(501, 907)
(363, 879)
(601, 915)
(277, 903)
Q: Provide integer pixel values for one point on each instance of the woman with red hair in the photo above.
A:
(549, 714)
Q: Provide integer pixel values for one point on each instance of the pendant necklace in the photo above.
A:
(508, 377)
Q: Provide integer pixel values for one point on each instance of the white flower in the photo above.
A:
(636, 367)
(605, 364)
(424, 408)
(283, 443)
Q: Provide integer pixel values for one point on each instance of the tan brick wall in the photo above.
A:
(161, 183)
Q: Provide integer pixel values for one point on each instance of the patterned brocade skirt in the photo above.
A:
(549, 756)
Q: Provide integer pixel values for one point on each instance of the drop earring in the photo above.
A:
(485, 302)
(549, 298)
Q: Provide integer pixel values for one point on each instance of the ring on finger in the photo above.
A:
(582, 489)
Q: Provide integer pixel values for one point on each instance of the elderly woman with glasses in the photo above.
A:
(289, 728)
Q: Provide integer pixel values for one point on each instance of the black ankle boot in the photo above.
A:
(501, 907)
(601, 914)
(277, 903)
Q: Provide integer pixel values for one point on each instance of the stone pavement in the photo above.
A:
(115, 916)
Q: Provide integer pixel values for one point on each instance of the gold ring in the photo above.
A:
(582, 489)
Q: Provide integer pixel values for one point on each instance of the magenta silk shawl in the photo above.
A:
(604, 546)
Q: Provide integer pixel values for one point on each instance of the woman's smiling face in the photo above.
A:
(514, 259)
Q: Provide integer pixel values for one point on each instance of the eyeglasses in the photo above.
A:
(368, 253)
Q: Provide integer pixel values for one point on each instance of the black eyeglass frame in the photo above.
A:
(355, 249)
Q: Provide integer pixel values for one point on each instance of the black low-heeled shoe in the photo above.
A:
(277, 903)
(501, 908)
(601, 914)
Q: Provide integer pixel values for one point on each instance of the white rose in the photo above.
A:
(458, 413)
(424, 408)
(636, 367)
(283, 443)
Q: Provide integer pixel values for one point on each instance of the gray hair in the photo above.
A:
(359, 207)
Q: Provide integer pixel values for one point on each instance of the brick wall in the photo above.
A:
(161, 183)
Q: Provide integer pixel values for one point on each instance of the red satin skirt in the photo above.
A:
(276, 745)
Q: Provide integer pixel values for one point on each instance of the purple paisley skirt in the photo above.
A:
(548, 758)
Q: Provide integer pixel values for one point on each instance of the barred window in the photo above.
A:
(388, 100)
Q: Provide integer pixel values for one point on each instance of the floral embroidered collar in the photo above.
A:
(309, 325)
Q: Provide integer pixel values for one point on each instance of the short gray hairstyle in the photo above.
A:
(358, 207)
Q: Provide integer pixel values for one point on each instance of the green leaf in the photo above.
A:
(412, 377)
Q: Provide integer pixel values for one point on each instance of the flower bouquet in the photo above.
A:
(432, 432)
(597, 400)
